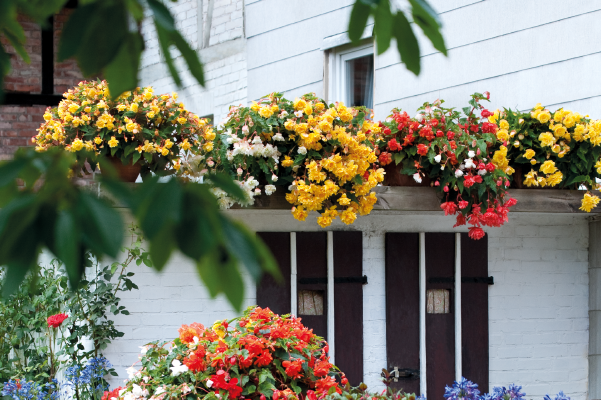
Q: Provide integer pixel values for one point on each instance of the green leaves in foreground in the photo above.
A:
(388, 25)
(50, 211)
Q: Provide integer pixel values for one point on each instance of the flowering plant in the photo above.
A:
(88, 382)
(138, 126)
(260, 355)
(563, 148)
(453, 150)
(328, 160)
(29, 390)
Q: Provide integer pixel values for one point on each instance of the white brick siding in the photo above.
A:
(537, 307)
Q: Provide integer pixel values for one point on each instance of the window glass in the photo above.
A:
(360, 81)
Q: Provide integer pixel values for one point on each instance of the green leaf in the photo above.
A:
(122, 72)
(9, 171)
(66, 245)
(165, 42)
(383, 22)
(161, 208)
(406, 43)
(576, 179)
(398, 157)
(190, 56)
(241, 245)
(15, 274)
(162, 15)
(358, 21)
(99, 45)
(74, 30)
(227, 184)
(198, 232)
(161, 247)
(427, 19)
(102, 227)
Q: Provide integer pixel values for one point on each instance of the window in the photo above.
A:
(351, 75)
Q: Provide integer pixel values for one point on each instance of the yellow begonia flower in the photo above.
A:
(555, 179)
(598, 166)
(208, 146)
(308, 109)
(530, 179)
(77, 145)
(548, 167)
(133, 107)
(254, 106)
(299, 104)
(299, 213)
(544, 117)
(589, 202)
(265, 112)
(113, 142)
(503, 124)
(502, 135)
(529, 154)
(547, 139)
(97, 140)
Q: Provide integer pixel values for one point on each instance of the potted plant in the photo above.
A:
(453, 151)
(138, 131)
(322, 154)
(559, 149)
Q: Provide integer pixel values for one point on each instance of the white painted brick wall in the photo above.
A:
(538, 304)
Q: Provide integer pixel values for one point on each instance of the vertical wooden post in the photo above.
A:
(293, 288)
(423, 386)
(594, 348)
(458, 358)
(331, 328)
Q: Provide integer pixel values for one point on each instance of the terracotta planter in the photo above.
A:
(394, 177)
(127, 173)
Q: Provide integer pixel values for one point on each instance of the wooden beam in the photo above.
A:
(397, 198)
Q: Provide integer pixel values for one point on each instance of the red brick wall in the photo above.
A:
(19, 123)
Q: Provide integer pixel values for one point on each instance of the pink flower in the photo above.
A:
(56, 320)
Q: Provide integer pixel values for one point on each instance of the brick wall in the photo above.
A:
(19, 123)
(537, 311)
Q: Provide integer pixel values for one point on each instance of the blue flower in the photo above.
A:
(559, 396)
(464, 389)
(30, 390)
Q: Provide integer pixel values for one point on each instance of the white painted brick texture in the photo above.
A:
(538, 305)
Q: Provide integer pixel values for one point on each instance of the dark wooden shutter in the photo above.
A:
(312, 273)
(402, 306)
(474, 311)
(270, 293)
(440, 328)
(348, 304)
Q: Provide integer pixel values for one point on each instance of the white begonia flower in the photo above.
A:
(298, 113)
(146, 379)
(469, 163)
(131, 373)
(283, 113)
(121, 392)
(186, 389)
(209, 383)
(245, 129)
(138, 391)
(196, 339)
(442, 167)
(295, 168)
(419, 117)
(269, 189)
(278, 137)
(458, 173)
(437, 158)
(471, 154)
(389, 119)
(239, 171)
(129, 396)
(160, 390)
(257, 140)
(462, 166)
(417, 177)
(257, 191)
(302, 150)
(177, 368)
(143, 349)
(482, 172)
(274, 177)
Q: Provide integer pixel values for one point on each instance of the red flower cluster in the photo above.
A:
(222, 380)
(56, 320)
(112, 394)
(494, 216)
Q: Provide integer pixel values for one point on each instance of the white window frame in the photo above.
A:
(337, 75)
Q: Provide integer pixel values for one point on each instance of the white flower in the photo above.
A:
(269, 189)
(245, 129)
(257, 191)
(143, 349)
(274, 177)
(146, 379)
(469, 163)
(278, 137)
(186, 389)
(482, 172)
(298, 113)
(419, 117)
(442, 167)
(177, 368)
(257, 140)
(195, 339)
(121, 392)
(471, 154)
(417, 177)
(295, 168)
(131, 373)
(462, 166)
(210, 163)
(302, 150)
(160, 390)
(209, 383)
(458, 173)
(129, 396)
(389, 119)
(437, 158)
(239, 171)
(283, 113)
(138, 391)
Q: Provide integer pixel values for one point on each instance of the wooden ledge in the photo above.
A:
(418, 199)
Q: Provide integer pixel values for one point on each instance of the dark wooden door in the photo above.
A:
(402, 306)
(270, 293)
(348, 304)
(403, 309)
